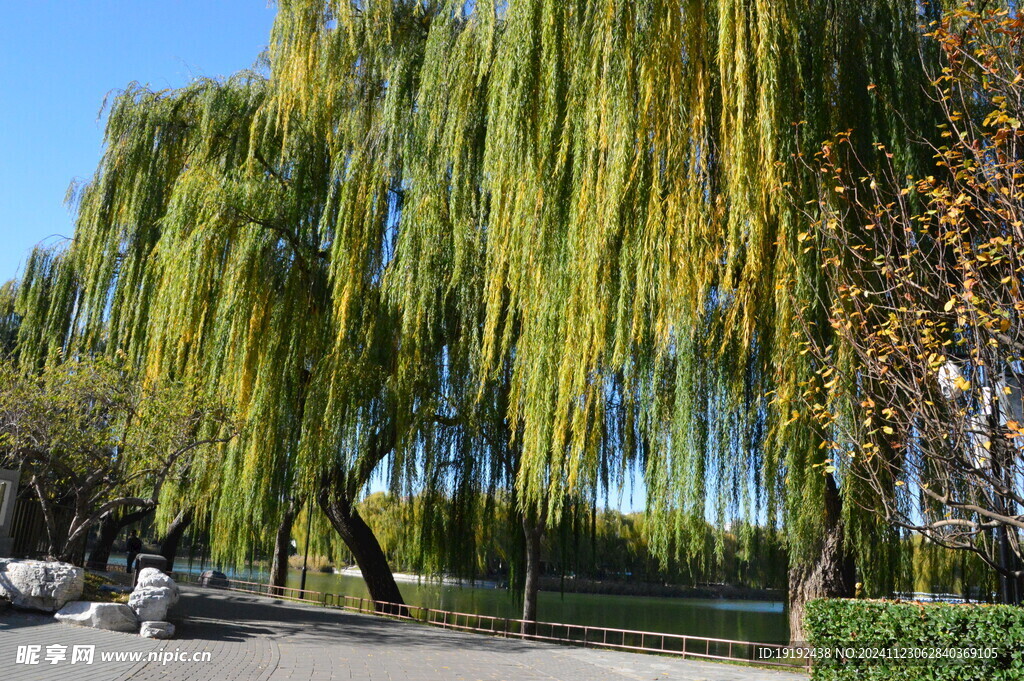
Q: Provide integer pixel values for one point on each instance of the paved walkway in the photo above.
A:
(250, 638)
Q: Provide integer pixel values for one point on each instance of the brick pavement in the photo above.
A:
(251, 638)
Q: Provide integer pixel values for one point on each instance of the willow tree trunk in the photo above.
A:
(279, 567)
(169, 544)
(359, 538)
(830, 574)
(110, 527)
(534, 531)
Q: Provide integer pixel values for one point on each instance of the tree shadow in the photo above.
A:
(215, 615)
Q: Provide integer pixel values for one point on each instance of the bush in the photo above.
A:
(913, 629)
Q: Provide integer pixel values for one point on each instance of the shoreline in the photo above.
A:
(412, 578)
(614, 588)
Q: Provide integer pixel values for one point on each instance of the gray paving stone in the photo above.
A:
(251, 638)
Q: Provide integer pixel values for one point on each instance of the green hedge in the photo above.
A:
(912, 628)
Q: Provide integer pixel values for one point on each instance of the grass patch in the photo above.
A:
(94, 593)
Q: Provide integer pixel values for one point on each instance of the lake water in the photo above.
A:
(760, 621)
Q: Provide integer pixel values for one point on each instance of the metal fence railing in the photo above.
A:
(28, 528)
(682, 645)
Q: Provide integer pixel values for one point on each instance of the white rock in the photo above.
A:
(156, 630)
(151, 603)
(112, 616)
(40, 585)
(153, 577)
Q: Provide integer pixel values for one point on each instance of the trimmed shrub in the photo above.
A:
(890, 641)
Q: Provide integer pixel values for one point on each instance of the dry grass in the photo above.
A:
(92, 591)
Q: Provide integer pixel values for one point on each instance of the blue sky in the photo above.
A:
(61, 57)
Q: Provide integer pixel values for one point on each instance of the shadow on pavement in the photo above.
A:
(13, 618)
(215, 615)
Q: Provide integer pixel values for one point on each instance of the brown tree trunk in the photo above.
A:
(359, 538)
(53, 543)
(830, 574)
(110, 527)
(534, 532)
(170, 541)
(73, 550)
(279, 567)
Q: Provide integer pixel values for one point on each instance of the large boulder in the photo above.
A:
(40, 585)
(151, 577)
(213, 578)
(112, 616)
(156, 630)
(151, 603)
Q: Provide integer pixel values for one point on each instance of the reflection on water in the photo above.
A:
(761, 621)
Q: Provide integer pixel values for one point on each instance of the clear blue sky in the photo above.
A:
(59, 58)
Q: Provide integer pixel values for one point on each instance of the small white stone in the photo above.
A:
(111, 616)
(156, 630)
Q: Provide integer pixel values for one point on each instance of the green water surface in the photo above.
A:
(760, 621)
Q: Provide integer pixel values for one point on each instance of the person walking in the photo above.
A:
(133, 546)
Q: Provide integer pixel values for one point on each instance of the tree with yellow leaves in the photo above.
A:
(918, 389)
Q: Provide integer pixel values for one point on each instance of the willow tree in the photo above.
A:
(228, 238)
(599, 198)
(222, 273)
(9, 320)
(592, 223)
(524, 245)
